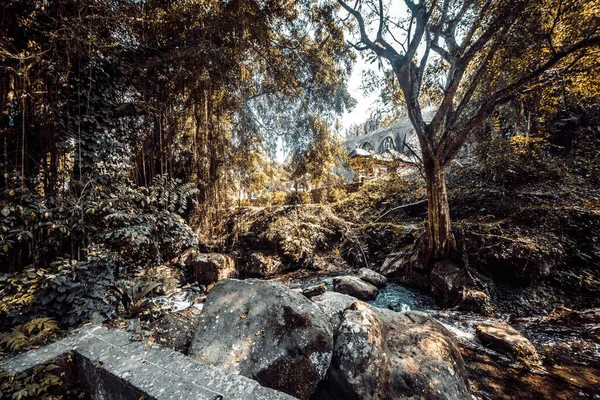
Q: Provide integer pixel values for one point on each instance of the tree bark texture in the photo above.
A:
(439, 240)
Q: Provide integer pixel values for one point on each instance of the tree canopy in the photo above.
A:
(475, 55)
(175, 96)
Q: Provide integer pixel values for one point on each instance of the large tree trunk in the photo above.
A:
(439, 241)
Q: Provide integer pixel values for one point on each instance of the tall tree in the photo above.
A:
(315, 165)
(100, 93)
(477, 54)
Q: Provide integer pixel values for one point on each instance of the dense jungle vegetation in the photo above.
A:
(124, 135)
(135, 133)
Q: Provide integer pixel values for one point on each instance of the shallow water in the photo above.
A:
(400, 298)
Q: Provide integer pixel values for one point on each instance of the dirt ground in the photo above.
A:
(562, 376)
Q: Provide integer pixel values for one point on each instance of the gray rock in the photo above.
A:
(391, 265)
(263, 266)
(504, 338)
(402, 267)
(333, 306)
(474, 300)
(445, 279)
(381, 354)
(564, 315)
(455, 286)
(355, 287)
(315, 290)
(176, 330)
(209, 267)
(267, 332)
(372, 277)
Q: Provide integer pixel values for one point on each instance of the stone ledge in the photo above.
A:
(115, 367)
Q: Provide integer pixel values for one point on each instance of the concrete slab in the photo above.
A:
(229, 385)
(264, 393)
(116, 368)
(21, 363)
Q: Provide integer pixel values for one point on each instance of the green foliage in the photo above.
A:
(309, 236)
(134, 301)
(144, 225)
(379, 195)
(29, 334)
(70, 291)
(272, 198)
(253, 170)
(125, 131)
(298, 238)
(316, 163)
(336, 194)
(41, 384)
(114, 229)
(295, 197)
(517, 159)
(130, 220)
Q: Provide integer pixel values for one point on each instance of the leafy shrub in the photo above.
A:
(133, 299)
(379, 195)
(37, 385)
(336, 194)
(244, 203)
(139, 223)
(272, 199)
(298, 198)
(66, 251)
(298, 238)
(145, 224)
(31, 333)
(69, 290)
(517, 160)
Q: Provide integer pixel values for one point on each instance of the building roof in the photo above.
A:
(358, 152)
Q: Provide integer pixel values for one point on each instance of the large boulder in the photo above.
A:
(176, 330)
(446, 279)
(333, 306)
(372, 277)
(263, 266)
(474, 300)
(407, 268)
(382, 354)
(267, 332)
(566, 316)
(504, 338)
(209, 267)
(314, 290)
(457, 288)
(355, 287)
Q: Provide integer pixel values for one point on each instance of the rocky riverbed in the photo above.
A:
(567, 344)
(569, 348)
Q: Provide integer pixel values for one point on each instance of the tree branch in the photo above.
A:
(385, 52)
(503, 95)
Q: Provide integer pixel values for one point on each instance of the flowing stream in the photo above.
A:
(580, 339)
